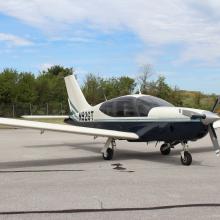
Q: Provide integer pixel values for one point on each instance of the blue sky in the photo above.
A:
(113, 38)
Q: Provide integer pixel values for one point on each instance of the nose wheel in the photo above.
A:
(186, 157)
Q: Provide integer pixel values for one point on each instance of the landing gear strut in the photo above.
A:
(186, 158)
(108, 150)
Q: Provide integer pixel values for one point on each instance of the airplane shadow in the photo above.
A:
(122, 154)
(48, 162)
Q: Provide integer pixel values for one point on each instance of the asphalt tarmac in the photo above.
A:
(63, 176)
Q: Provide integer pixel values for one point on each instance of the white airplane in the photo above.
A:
(135, 118)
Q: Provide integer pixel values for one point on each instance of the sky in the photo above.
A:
(180, 39)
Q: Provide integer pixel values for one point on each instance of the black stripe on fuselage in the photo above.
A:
(153, 130)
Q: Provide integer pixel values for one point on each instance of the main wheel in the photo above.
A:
(109, 154)
(187, 160)
(164, 149)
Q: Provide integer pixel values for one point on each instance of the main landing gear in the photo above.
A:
(108, 149)
(186, 158)
(165, 149)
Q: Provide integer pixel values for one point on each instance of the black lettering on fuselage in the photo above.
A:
(86, 116)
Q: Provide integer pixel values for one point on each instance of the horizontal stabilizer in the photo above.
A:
(68, 129)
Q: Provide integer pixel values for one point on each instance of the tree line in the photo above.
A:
(25, 93)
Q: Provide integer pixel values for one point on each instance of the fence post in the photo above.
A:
(47, 108)
(13, 110)
(61, 108)
(30, 109)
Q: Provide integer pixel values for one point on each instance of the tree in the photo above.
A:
(97, 89)
(197, 99)
(146, 71)
(8, 86)
(125, 85)
(176, 97)
(163, 89)
(58, 70)
(92, 89)
(51, 88)
(26, 88)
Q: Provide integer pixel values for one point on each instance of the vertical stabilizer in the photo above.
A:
(77, 101)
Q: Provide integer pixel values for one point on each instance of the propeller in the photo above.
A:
(216, 104)
(208, 118)
(214, 139)
(212, 132)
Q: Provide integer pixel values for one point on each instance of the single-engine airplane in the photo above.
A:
(135, 118)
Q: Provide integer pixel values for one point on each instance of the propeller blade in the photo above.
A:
(216, 104)
(214, 139)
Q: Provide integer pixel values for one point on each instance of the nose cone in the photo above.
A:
(210, 117)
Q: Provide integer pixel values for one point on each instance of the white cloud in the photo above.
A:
(14, 40)
(193, 24)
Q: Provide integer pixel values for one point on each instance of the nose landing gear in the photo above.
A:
(186, 158)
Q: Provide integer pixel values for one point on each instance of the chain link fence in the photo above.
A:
(14, 110)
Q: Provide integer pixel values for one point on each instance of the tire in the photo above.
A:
(164, 149)
(109, 154)
(187, 160)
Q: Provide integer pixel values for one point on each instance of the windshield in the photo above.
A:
(146, 103)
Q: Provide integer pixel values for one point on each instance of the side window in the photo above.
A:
(107, 108)
(130, 110)
(143, 108)
(125, 109)
(119, 108)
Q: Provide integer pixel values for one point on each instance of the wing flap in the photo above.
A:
(68, 128)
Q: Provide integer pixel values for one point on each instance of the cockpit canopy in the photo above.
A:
(132, 106)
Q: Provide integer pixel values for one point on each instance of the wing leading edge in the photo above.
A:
(68, 129)
(45, 116)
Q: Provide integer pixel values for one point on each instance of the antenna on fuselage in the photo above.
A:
(105, 97)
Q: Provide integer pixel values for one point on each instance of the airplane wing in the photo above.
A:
(68, 128)
(45, 116)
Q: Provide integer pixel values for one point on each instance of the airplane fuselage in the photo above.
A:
(152, 130)
(151, 118)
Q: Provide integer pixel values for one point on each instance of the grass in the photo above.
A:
(49, 120)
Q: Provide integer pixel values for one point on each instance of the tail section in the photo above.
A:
(76, 99)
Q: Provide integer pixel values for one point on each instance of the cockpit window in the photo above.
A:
(154, 101)
(120, 107)
(146, 103)
(130, 106)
